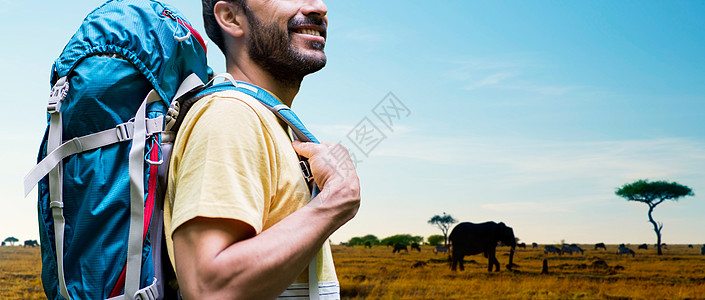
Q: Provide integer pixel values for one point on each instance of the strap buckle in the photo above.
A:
(58, 93)
(306, 169)
(148, 293)
(54, 106)
(124, 131)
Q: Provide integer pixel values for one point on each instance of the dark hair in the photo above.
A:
(212, 28)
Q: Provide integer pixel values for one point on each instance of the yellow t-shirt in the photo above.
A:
(233, 159)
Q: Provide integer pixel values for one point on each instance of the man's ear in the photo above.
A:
(231, 18)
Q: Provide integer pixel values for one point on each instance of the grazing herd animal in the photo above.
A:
(470, 239)
(565, 249)
(624, 250)
(572, 248)
(399, 247)
(551, 249)
(443, 249)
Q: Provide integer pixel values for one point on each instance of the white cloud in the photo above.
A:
(526, 161)
(526, 207)
(363, 35)
(364, 38)
(492, 80)
(7, 5)
(505, 74)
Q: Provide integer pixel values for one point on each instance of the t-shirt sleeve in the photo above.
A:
(224, 169)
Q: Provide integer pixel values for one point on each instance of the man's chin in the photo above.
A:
(316, 59)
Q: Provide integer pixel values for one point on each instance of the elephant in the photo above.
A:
(470, 239)
(31, 243)
(415, 246)
(521, 245)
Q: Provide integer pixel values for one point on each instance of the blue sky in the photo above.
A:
(526, 112)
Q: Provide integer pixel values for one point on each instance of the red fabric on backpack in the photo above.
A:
(148, 209)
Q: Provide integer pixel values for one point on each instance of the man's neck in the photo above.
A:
(252, 73)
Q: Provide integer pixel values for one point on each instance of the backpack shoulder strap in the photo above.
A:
(282, 111)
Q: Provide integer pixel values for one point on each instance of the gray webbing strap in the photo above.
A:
(149, 293)
(136, 166)
(58, 92)
(189, 84)
(121, 132)
(277, 110)
(313, 278)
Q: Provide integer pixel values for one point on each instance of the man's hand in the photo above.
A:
(223, 259)
(335, 175)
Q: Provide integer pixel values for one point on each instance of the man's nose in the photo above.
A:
(314, 7)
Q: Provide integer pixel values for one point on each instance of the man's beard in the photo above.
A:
(271, 48)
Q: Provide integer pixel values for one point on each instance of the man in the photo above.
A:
(237, 218)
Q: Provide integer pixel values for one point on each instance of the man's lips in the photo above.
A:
(315, 32)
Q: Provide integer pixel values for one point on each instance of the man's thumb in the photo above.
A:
(305, 149)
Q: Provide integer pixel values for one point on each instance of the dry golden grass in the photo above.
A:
(20, 271)
(377, 273)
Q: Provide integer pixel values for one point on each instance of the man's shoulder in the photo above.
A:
(229, 101)
(227, 112)
(230, 105)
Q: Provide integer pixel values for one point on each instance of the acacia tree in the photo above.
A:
(653, 194)
(443, 222)
(12, 240)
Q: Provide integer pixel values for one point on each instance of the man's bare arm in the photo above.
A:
(222, 259)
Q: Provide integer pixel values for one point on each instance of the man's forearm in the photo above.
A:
(260, 267)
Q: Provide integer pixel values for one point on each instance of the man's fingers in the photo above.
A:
(306, 149)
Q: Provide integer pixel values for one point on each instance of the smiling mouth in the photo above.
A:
(309, 32)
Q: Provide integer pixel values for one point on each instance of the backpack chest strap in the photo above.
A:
(122, 132)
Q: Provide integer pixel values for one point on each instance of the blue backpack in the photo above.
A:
(113, 114)
(98, 209)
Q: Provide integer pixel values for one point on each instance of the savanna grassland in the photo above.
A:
(20, 270)
(377, 273)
